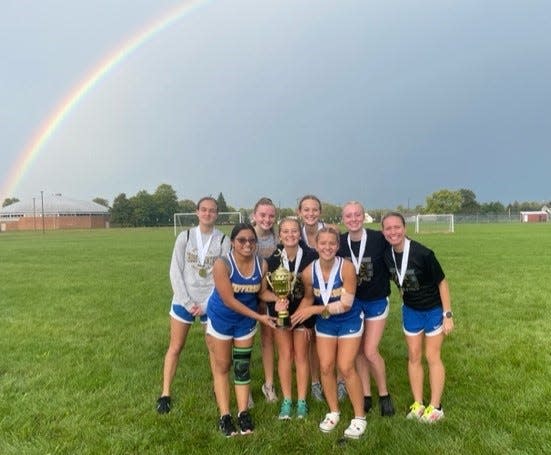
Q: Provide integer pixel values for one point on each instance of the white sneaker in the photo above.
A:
(356, 428)
(330, 422)
(269, 393)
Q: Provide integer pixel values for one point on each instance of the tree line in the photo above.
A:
(157, 209)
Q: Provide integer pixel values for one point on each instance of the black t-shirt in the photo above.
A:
(274, 261)
(423, 275)
(373, 280)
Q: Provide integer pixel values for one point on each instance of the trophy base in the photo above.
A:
(283, 320)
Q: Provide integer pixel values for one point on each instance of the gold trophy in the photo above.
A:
(281, 281)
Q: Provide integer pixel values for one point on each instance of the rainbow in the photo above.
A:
(64, 108)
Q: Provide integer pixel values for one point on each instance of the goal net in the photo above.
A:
(429, 223)
(183, 221)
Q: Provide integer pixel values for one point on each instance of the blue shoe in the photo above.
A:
(302, 409)
(285, 410)
(341, 390)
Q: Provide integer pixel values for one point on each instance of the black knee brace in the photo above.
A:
(241, 365)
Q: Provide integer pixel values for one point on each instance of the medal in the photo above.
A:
(202, 251)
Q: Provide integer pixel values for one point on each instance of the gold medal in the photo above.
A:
(203, 272)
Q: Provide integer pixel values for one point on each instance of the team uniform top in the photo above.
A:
(192, 281)
(353, 313)
(245, 289)
(373, 279)
(423, 275)
(274, 261)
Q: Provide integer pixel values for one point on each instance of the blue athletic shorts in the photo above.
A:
(341, 325)
(418, 321)
(241, 329)
(375, 309)
(179, 313)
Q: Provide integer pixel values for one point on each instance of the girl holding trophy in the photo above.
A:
(232, 310)
(329, 288)
(285, 266)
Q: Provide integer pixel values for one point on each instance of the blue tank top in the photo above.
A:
(335, 295)
(245, 289)
(337, 285)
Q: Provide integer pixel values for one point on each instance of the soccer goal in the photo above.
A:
(183, 221)
(430, 223)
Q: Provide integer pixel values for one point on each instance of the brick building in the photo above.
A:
(59, 213)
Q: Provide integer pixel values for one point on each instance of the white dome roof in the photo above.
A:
(54, 204)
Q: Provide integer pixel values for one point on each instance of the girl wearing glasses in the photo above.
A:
(232, 316)
(329, 288)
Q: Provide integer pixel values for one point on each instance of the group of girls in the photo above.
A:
(342, 285)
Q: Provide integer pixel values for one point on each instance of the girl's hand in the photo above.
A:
(281, 304)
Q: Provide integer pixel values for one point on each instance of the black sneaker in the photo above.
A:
(163, 405)
(387, 408)
(226, 426)
(368, 404)
(245, 422)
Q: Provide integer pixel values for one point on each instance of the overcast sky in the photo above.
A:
(375, 100)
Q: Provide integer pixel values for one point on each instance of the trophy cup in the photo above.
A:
(281, 282)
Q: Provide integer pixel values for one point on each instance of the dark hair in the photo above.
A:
(242, 227)
(396, 214)
(207, 198)
(306, 197)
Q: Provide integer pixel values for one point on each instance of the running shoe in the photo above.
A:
(341, 390)
(269, 393)
(317, 391)
(226, 426)
(330, 422)
(245, 422)
(416, 411)
(368, 403)
(432, 414)
(285, 410)
(163, 405)
(386, 406)
(302, 409)
(356, 429)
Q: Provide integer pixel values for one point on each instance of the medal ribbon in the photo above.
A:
(285, 260)
(202, 249)
(402, 272)
(325, 290)
(358, 261)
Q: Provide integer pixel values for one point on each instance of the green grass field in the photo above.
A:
(84, 328)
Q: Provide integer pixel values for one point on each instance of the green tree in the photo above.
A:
(186, 206)
(492, 207)
(468, 202)
(144, 209)
(222, 207)
(166, 204)
(9, 201)
(101, 201)
(121, 212)
(444, 201)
